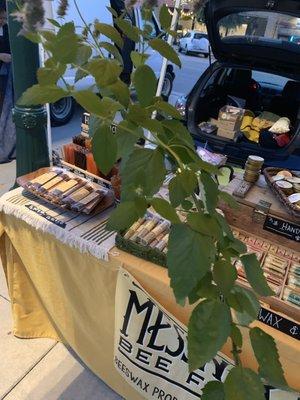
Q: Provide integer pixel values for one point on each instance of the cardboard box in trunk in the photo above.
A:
(229, 121)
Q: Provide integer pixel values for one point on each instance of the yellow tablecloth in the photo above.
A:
(58, 292)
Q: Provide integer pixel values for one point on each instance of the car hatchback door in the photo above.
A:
(256, 32)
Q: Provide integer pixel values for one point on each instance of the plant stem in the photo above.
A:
(88, 28)
(196, 201)
(236, 354)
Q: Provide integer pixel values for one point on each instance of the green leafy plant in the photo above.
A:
(202, 249)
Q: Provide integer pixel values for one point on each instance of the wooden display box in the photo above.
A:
(262, 218)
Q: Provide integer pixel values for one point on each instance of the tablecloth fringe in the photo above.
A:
(65, 236)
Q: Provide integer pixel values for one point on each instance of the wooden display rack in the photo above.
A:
(261, 216)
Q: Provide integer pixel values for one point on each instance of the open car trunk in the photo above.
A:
(255, 96)
(248, 36)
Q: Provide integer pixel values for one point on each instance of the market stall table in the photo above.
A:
(62, 293)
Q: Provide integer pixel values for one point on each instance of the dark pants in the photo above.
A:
(3, 82)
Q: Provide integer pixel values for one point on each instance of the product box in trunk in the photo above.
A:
(230, 118)
(268, 230)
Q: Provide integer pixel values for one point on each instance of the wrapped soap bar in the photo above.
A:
(295, 269)
(77, 195)
(162, 243)
(36, 183)
(157, 239)
(136, 234)
(163, 226)
(150, 224)
(52, 183)
(87, 204)
(91, 205)
(134, 228)
(292, 297)
(294, 280)
(63, 187)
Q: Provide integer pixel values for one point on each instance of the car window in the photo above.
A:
(198, 36)
(261, 26)
(270, 79)
(187, 35)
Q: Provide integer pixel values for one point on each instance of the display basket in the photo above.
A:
(282, 197)
(145, 252)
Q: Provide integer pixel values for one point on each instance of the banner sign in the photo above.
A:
(283, 228)
(280, 323)
(150, 350)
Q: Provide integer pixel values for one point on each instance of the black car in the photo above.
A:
(257, 68)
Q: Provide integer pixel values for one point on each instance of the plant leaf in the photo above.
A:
(245, 303)
(38, 94)
(209, 191)
(205, 224)
(255, 275)
(34, 37)
(165, 209)
(104, 146)
(132, 32)
(104, 108)
(165, 17)
(236, 336)
(50, 75)
(110, 32)
(112, 11)
(165, 50)
(145, 83)
(205, 289)
(213, 390)
(225, 275)
(243, 384)
(112, 50)
(54, 22)
(144, 171)
(80, 74)
(83, 55)
(190, 256)
(237, 245)
(138, 59)
(94, 124)
(64, 46)
(106, 72)
(121, 92)
(125, 215)
(266, 353)
(168, 109)
(127, 140)
(182, 186)
(209, 328)
(178, 129)
(230, 200)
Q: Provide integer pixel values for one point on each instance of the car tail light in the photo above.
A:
(180, 106)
